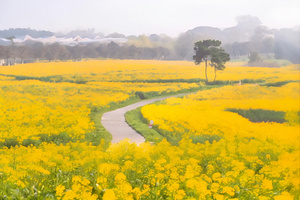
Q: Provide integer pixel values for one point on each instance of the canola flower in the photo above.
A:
(206, 113)
(224, 169)
(132, 70)
(246, 144)
(246, 161)
(32, 108)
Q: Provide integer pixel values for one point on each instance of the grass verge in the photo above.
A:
(134, 119)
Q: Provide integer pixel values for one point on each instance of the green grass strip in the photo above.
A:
(135, 119)
(260, 115)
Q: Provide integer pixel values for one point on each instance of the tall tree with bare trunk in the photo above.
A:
(210, 51)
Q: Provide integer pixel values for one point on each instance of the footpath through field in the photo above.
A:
(114, 121)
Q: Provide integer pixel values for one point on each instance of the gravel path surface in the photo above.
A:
(114, 122)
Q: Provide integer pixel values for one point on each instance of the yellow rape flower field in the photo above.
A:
(229, 142)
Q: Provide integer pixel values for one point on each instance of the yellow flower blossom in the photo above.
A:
(60, 189)
(120, 178)
(180, 194)
(109, 195)
(228, 190)
(284, 196)
(20, 183)
(267, 184)
(218, 197)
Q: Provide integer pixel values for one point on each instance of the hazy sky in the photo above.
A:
(143, 16)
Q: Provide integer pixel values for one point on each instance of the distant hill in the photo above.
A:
(242, 32)
(22, 32)
(89, 33)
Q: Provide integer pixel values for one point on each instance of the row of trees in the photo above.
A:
(39, 51)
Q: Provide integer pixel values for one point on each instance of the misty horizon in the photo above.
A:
(144, 17)
(105, 34)
(93, 31)
(141, 29)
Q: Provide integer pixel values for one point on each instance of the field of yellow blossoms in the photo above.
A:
(212, 148)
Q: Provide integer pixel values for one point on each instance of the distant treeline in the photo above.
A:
(267, 48)
(248, 37)
(57, 51)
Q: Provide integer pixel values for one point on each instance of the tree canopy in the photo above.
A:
(203, 50)
(210, 50)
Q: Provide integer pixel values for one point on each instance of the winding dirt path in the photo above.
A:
(114, 121)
